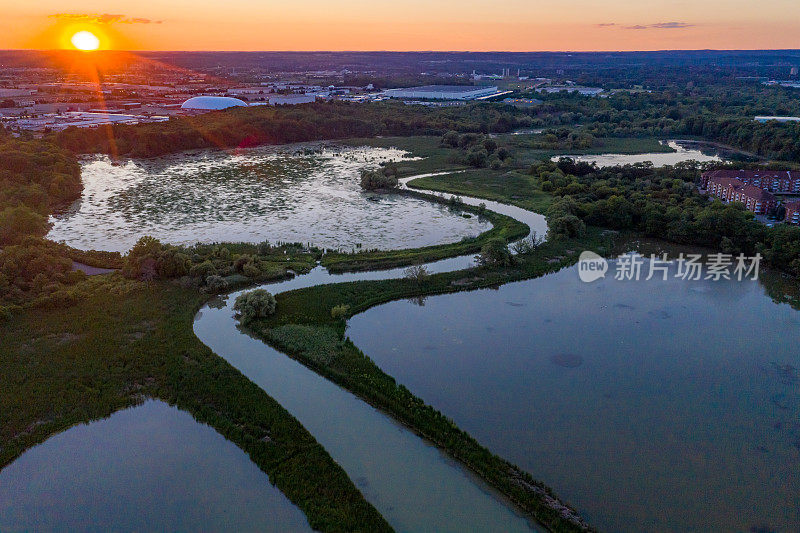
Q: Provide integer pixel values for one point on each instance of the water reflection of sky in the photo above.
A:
(683, 152)
(660, 405)
(150, 468)
(270, 193)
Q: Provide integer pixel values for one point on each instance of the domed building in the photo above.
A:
(211, 103)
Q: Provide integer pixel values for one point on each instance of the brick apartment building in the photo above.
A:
(778, 181)
(754, 198)
(792, 212)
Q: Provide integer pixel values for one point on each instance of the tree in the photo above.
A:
(18, 222)
(377, 180)
(495, 252)
(417, 273)
(254, 305)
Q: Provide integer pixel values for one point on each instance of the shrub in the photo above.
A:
(203, 270)
(450, 139)
(375, 180)
(254, 305)
(528, 244)
(216, 283)
(5, 314)
(495, 252)
(251, 270)
(477, 158)
(566, 226)
(417, 273)
(263, 248)
(340, 311)
(18, 222)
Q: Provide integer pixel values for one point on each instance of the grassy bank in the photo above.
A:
(125, 341)
(305, 329)
(515, 187)
(504, 227)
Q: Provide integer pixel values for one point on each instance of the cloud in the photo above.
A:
(661, 26)
(656, 26)
(103, 19)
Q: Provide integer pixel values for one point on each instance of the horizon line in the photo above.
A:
(414, 51)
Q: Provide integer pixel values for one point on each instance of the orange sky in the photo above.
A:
(516, 25)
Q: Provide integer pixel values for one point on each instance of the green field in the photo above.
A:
(516, 187)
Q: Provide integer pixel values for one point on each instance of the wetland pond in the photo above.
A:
(148, 468)
(650, 405)
(308, 193)
(683, 151)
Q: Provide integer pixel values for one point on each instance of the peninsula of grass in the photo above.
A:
(307, 328)
(514, 187)
(124, 341)
(503, 227)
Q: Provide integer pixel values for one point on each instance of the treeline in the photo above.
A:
(244, 127)
(35, 176)
(215, 268)
(477, 150)
(718, 112)
(663, 203)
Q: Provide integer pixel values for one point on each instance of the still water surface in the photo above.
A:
(652, 406)
(684, 151)
(148, 468)
(307, 193)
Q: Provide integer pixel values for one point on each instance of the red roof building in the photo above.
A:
(730, 189)
(792, 212)
(779, 181)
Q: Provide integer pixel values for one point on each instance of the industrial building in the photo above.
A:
(443, 92)
(583, 91)
(764, 119)
(81, 119)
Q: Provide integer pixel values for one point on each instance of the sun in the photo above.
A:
(86, 41)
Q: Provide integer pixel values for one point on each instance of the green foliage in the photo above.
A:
(149, 259)
(35, 176)
(417, 273)
(340, 311)
(495, 252)
(664, 203)
(377, 180)
(16, 223)
(34, 271)
(254, 305)
(505, 228)
(216, 284)
(288, 124)
(122, 341)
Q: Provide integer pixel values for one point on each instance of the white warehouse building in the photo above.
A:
(442, 92)
(211, 103)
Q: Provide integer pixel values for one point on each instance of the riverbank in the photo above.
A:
(305, 329)
(125, 341)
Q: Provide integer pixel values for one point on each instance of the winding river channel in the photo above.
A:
(414, 485)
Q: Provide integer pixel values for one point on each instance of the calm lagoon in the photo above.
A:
(651, 406)
(148, 468)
